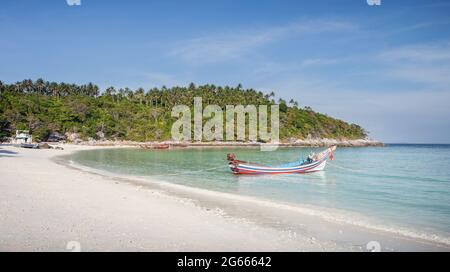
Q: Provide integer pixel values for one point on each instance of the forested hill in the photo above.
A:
(141, 115)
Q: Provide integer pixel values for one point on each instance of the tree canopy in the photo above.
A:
(44, 107)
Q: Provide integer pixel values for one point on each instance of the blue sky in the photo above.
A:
(384, 67)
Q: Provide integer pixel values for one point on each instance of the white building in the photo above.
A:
(23, 137)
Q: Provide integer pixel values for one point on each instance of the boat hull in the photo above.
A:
(248, 169)
(154, 146)
(245, 168)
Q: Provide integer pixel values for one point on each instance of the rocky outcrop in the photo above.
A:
(56, 137)
(72, 137)
(100, 135)
(44, 146)
(330, 142)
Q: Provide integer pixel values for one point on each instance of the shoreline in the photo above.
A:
(298, 230)
(290, 143)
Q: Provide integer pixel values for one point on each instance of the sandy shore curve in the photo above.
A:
(48, 206)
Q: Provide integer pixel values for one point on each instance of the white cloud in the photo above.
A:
(426, 63)
(320, 62)
(236, 44)
(419, 53)
(73, 2)
(223, 48)
(159, 79)
(434, 75)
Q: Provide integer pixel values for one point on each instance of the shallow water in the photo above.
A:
(396, 186)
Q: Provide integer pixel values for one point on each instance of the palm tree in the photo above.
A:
(40, 86)
(128, 93)
(140, 95)
(54, 90)
(111, 92)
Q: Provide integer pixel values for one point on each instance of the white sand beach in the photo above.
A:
(44, 205)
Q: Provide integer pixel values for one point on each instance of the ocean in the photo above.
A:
(399, 186)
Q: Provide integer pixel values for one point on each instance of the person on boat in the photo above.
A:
(311, 157)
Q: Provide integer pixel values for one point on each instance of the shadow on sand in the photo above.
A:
(7, 152)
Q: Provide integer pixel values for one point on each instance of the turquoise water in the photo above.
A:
(396, 185)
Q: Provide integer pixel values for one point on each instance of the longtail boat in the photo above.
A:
(154, 146)
(313, 164)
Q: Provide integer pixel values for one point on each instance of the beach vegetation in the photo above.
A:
(45, 107)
